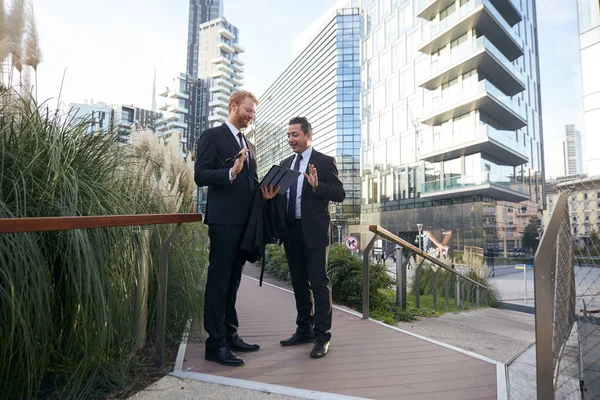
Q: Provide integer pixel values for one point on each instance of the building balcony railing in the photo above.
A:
(237, 61)
(222, 111)
(237, 82)
(218, 103)
(226, 33)
(216, 118)
(226, 68)
(224, 82)
(497, 186)
(486, 139)
(481, 96)
(507, 8)
(220, 74)
(482, 55)
(175, 94)
(476, 14)
(219, 88)
(175, 109)
(238, 48)
(237, 68)
(220, 60)
(225, 47)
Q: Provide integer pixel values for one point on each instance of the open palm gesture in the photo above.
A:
(312, 177)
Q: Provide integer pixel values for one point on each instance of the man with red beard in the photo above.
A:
(226, 163)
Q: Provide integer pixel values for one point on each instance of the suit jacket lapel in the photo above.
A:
(311, 160)
(230, 136)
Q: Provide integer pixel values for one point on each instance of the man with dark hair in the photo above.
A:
(226, 163)
(308, 236)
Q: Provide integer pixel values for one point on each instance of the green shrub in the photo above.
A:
(345, 273)
(446, 278)
(65, 297)
(276, 262)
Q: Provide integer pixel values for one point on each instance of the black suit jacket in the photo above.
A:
(227, 202)
(315, 204)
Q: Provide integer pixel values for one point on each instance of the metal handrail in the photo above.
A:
(25, 225)
(385, 234)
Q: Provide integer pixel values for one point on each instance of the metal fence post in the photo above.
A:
(477, 300)
(418, 287)
(400, 279)
(435, 289)
(140, 291)
(447, 290)
(457, 293)
(161, 318)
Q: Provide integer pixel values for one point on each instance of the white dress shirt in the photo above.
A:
(235, 132)
(303, 167)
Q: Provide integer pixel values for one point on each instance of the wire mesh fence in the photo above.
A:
(569, 255)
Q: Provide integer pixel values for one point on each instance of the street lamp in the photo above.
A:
(420, 228)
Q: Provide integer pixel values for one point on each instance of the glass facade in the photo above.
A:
(450, 119)
(323, 85)
(589, 42)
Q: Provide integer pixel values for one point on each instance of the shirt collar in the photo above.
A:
(232, 128)
(307, 153)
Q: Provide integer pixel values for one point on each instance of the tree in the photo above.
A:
(531, 238)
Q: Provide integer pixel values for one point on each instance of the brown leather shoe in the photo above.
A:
(297, 339)
(319, 350)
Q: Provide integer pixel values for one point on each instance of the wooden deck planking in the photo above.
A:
(365, 359)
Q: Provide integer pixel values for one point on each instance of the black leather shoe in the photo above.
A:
(296, 339)
(319, 350)
(224, 356)
(240, 345)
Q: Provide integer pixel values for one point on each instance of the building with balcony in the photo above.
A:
(589, 44)
(451, 120)
(174, 121)
(584, 206)
(219, 69)
(201, 11)
(322, 84)
(102, 117)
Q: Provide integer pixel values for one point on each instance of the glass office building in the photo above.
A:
(323, 85)
(450, 119)
(589, 44)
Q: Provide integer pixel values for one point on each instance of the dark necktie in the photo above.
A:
(291, 209)
(239, 135)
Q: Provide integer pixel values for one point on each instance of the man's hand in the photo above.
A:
(312, 177)
(268, 192)
(239, 163)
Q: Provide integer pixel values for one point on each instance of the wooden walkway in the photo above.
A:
(366, 359)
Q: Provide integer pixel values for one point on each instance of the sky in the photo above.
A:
(108, 51)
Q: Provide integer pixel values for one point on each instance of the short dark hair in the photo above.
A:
(303, 122)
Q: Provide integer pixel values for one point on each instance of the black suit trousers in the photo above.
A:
(226, 262)
(312, 289)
